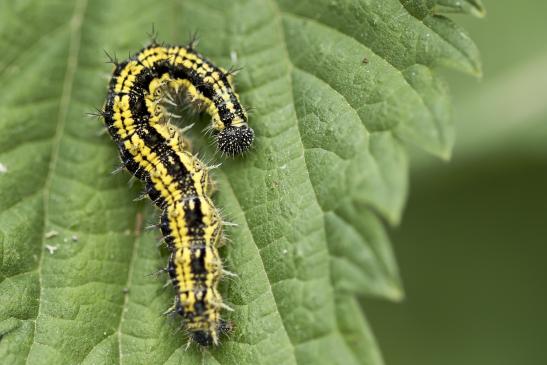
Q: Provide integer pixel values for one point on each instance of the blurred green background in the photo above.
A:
(472, 247)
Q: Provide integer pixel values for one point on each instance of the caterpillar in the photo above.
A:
(157, 153)
(181, 68)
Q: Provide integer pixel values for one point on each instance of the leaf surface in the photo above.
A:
(337, 88)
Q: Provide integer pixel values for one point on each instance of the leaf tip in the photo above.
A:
(395, 293)
(446, 153)
(478, 10)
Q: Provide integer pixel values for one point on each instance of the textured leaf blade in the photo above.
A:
(334, 92)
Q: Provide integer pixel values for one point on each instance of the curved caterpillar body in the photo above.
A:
(205, 84)
(175, 180)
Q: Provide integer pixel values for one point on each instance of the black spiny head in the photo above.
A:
(208, 338)
(235, 140)
(203, 338)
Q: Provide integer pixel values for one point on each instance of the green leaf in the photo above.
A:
(472, 7)
(338, 87)
(431, 7)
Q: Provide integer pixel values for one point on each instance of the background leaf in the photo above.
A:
(337, 88)
(471, 246)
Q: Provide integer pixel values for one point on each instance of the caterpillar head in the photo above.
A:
(204, 338)
(234, 140)
(209, 338)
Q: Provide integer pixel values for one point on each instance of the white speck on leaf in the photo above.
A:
(3, 168)
(233, 56)
(51, 234)
(51, 249)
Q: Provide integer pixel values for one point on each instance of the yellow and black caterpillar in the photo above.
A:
(156, 152)
(206, 85)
